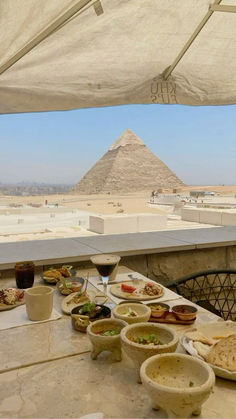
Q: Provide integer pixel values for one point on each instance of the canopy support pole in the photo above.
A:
(49, 30)
(167, 72)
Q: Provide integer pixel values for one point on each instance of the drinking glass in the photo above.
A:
(24, 274)
(105, 265)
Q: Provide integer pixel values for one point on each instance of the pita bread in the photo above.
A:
(223, 353)
(199, 337)
(202, 349)
(224, 335)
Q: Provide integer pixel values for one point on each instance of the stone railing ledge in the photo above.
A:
(44, 252)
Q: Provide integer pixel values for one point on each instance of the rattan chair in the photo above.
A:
(214, 290)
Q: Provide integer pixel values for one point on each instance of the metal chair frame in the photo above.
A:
(214, 290)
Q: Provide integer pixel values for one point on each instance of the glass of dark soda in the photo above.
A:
(24, 274)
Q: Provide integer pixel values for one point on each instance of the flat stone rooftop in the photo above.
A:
(43, 227)
(75, 249)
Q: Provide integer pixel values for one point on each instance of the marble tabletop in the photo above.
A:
(46, 372)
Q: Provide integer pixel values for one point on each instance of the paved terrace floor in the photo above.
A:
(77, 249)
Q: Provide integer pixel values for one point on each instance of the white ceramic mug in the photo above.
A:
(39, 302)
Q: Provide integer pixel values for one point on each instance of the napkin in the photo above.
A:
(17, 317)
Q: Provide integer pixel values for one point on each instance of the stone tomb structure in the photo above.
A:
(122, 223)
(209, 215)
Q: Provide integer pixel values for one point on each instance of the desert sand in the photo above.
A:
(71, 216)
(106, 203)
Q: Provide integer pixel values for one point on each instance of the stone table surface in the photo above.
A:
(46, 372)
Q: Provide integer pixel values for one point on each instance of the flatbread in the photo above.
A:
(199, 337)
(219, 329)
(225, 335)
(223, 353)
(202, 349)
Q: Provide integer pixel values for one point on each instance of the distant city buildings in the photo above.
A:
(26, 189)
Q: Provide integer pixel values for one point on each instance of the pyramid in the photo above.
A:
(127, 166)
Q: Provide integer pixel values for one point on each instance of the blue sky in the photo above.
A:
(197, 143)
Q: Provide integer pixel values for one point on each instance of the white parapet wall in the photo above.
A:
(209, 216)
(151, 222)
(229, 218)
(190, 214)
(121, 224)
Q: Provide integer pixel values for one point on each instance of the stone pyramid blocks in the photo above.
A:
(128, 166)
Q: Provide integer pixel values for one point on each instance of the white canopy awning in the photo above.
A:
(67, 54)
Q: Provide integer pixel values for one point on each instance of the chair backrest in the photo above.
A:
(214, 288)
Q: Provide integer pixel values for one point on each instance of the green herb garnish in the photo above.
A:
(151, 339)
(141, 339)
(111, 332)
(191, 384)
(87, 307)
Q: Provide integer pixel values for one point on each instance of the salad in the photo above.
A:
(90, 309)
(11, 296)
(111, 332)
(151, 289)
(148, 289)
(151, 339)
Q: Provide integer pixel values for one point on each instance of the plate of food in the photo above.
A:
(142, 290)
(215, 343)
(11, 298)
(54, 275)
(69, 286)
(77, 298)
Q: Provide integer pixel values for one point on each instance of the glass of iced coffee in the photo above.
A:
(105, 265)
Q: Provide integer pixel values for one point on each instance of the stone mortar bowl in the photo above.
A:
(139, 352)
(105, 343)
(143, 312)
(177, 383)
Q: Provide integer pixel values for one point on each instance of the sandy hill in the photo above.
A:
(128, 166)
